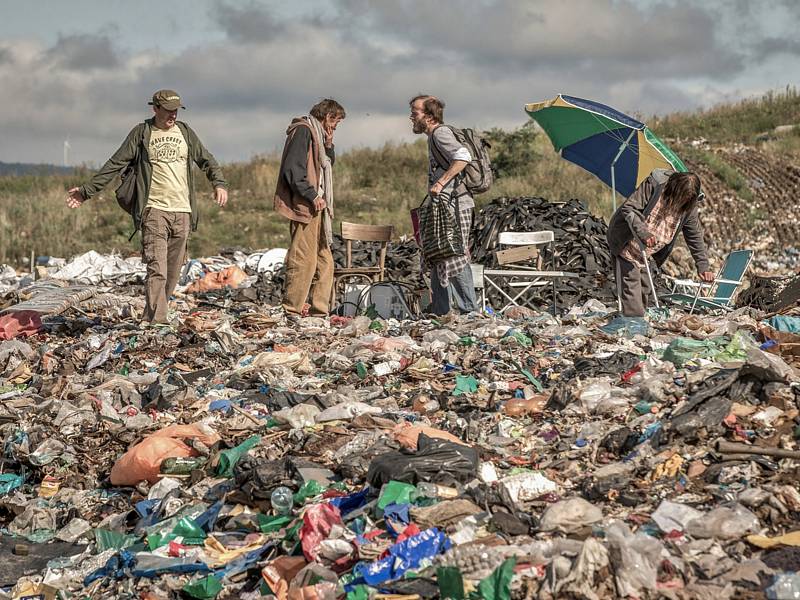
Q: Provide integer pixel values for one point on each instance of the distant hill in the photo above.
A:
(33, 169)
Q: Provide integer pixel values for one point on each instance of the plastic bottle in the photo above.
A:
(433, 490)
(282, 500)
(424, 404)
(181, 465)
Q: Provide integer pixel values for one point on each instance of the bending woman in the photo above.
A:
(664, 205)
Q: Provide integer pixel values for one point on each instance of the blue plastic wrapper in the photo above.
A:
(146, 507)
(396, 513)
(115, 568)
(784, 323)
(403, 556)
(626, 326)
(208, 519)
(151, 566)
(351, 502)
(223, 406)
(9, 482)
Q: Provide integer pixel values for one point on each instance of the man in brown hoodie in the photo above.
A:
(304, 195)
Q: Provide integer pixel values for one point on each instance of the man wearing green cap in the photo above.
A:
(161, 151)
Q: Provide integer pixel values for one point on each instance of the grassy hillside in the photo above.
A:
(372, 185)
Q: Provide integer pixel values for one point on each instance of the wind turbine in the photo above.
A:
(66, 152)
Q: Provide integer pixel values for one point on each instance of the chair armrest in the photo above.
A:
(732, 281)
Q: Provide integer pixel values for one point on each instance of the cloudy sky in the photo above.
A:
(85, 69)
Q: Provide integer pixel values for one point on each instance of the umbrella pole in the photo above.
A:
(613, 175)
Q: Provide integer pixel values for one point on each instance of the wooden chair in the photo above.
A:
(361, 233)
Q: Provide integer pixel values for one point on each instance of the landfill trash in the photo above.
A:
(241, 453)
(229, 277)
(143, 461)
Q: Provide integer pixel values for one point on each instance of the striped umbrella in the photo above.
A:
(616, 148)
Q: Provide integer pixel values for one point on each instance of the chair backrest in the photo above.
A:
(525, 238)
(366, 233)
(735, 266)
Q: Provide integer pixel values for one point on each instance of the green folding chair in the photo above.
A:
(715, 295)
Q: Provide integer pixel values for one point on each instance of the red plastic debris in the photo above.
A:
(20, 323)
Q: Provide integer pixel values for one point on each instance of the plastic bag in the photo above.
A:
(204, 589)
(232, 277)
(636, 559)
(570, 516)
(346, 411)
(439, 228)
(229, 458)
(682, 350)
(725, 523)
(318, 521)
(403, 556)
(626, 327)
(407, 435)
(785, 587)
(143, 461)
(438, 461)
(525, 487)
(672, 516)
(593, 391)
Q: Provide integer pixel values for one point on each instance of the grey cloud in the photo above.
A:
(372, 56)
(79, 52)
(775, 45)
(249, 23)
(675, 40)
(6, 56)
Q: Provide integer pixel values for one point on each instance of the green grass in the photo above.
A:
(722, 169)
(373, 185)
(743, 121)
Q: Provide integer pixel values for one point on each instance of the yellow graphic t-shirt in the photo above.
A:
(169, 155)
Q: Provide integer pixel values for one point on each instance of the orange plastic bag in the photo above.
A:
(143, 461)
(231, 277)
(408, 435)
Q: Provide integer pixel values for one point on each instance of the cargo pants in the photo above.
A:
(309, 268)
(164, 238)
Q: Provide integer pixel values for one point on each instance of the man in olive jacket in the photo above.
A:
(664, 205)
(161, 151)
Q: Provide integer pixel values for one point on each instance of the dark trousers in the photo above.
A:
(633, 288)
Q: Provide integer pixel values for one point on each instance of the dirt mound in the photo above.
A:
(768, 221)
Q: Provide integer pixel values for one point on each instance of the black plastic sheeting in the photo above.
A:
(435, 460)
(580, 246)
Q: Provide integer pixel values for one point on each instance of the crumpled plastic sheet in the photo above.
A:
(405, 555)
(93, 268)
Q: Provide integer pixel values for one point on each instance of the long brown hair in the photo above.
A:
(682, 189)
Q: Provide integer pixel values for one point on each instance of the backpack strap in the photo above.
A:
(438, 156)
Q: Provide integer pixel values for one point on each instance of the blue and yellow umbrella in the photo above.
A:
(616, 148)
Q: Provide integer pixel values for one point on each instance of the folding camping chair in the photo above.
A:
(523, 276)
(478, 282)
(716, 295)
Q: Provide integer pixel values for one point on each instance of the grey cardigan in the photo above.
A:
(629, 220)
